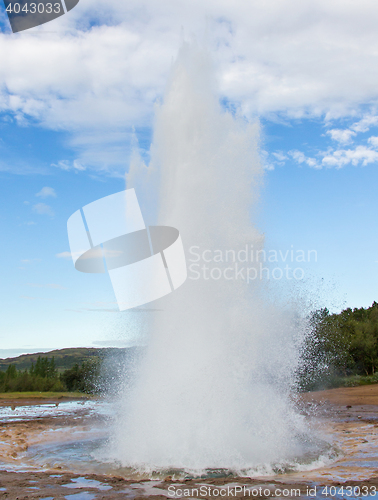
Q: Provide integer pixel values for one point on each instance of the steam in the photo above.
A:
(213, 389)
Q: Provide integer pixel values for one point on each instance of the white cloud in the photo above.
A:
(107, 63)
(360, 155)
(265, 160)
(300, 158)
(311, 162)
(43, 209)
(373, 141)
(268, 166)
(341, 136)
(67, 165)
(64, 255)
(273, 160)
(46, 191)
(365, 123)
(281, 157)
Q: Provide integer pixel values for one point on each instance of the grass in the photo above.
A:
(333, 382)
(357, 380)
(42, 395)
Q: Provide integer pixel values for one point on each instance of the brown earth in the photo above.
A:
(349, 415)
(354, 396)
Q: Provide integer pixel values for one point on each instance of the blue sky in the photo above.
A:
(72, 92)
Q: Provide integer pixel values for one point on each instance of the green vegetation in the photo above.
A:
(88, 371)
(341, 349)
(43, 377)
(83, 378)
(64, 358)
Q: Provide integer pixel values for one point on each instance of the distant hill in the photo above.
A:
(66, 358)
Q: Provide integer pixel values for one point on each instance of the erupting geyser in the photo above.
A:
(213, 389)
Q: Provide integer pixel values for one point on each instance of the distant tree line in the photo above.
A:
(340, 346)
(340, 349)
(43, 376)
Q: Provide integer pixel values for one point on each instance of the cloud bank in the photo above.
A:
(98, 71)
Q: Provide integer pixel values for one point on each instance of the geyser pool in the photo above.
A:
(213, 389)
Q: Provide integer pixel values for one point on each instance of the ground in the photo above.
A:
(348, 414)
